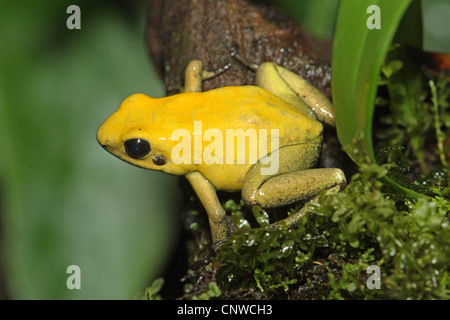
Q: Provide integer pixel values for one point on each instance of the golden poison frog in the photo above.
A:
(262, 140)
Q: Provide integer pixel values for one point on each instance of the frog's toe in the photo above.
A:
(217, 245)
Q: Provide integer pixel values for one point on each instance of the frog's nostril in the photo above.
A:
(159, 160)
(104, 146)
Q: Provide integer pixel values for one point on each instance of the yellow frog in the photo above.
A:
(184, 134)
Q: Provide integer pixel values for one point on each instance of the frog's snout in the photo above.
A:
(101, 138)
(103, 144)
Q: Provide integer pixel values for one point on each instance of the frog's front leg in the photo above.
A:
(216, 214)
(294, 181)
(194, 74)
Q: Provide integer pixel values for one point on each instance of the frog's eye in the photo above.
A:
(137, 148)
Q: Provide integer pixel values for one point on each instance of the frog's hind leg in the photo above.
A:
(294, 181)
(295, 90)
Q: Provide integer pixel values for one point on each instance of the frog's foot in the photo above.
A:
(217, 244)
(293, 187)
(292, 183)
(252, 66)
(295, 217)
(205, 272)
(295, 90)
(207, 74)
(208, 270)
(204, 275)
(201, 275)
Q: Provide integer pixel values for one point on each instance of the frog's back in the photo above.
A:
(174, 122)
(243, 107)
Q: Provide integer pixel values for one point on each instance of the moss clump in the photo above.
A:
(328, 254)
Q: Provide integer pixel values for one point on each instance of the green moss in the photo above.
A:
(414, 111)
(152, 291)
(212, 292)
(331, 249)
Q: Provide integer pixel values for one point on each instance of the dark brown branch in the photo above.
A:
(210, 30)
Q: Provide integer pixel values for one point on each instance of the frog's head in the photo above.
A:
(128, 134)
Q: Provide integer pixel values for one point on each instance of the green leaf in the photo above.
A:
(261, 216)
(239, 221)
(151, 292)
(358, 54)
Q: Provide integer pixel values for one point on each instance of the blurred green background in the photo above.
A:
(63, 199)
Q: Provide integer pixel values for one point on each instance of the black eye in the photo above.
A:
(137, 148)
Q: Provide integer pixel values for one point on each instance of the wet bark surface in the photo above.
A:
(210, 30)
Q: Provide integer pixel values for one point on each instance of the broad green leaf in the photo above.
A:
(358, 54)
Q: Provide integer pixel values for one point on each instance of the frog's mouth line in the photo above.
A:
(133, 163)
(127, 160)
